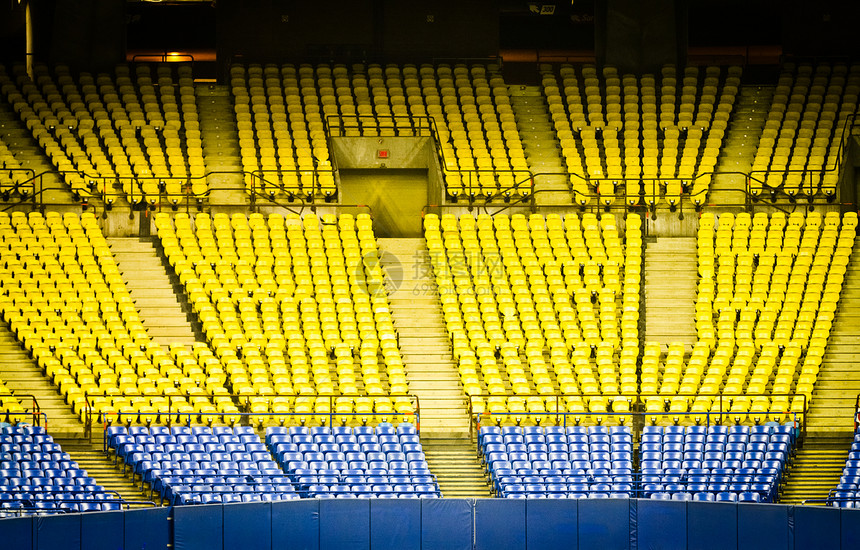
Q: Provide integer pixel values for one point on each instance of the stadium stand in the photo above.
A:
(361, 462)
(540, 307)
(722, 463)
(660, 135)
(38, 478)
(847, 493)
(558, 461)
(798, 151)
(768, 291)
(201, 465)
(139, 132)
(67, 304)
(296, 309)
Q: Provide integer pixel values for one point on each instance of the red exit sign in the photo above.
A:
(382, 153)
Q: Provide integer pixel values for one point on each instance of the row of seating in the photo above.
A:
(65, 300)
(768, 290)
(799, 148)
(363, 462)
(693, 463)
(282, 140)
(846, 494)
(38, 478)
(199, 465)
(140, 132)
(295, 308)
(538, 307)
(534, 462)
(653, 131)
(736, 459)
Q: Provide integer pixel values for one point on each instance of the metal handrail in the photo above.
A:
(244, 399)
(428, 123)
(631, 398)
(35, 412)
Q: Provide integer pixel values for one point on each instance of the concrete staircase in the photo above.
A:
(670, 290)
(831, 411)
(24, 377)
(540, 143)
(457, 468)
(740, 144)
(154, 294)
(424, 343)
(91, 457)
(815, 471)
(220, 144)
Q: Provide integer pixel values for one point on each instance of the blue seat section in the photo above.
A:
(847, 493)
(720, 463)
(362, 462)
(38, 478)
(201, 465)
(558, 462)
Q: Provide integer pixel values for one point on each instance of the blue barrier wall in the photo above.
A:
(451, 524)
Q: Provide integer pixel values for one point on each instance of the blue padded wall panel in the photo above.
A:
(147, 529)
(604, 524)
(296, 525)
(61, 532)
(762, 526)
(816, 527)
(850, 528)
(102, 530)
(247, 526)
(661, 524)
(446, 524)
(712, 525)
(552, 524)
(395, 524)
(17, 532)
(198, 527)
(345, 524)
(500, 523)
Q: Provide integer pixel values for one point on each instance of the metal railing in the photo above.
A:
(560, 415)
(425, 126)
(175, 416)
(111, 190)
(34, 411)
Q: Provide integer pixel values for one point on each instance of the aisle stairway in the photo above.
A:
(540, 144)
(24, 377)
(670, 290)
(220, 144)
(424, 342)
(740, 144)
(816, 470)
(161, 312)
(457, 468)
(831, 412)
(100, 467)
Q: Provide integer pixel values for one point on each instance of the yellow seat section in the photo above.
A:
(539, 307)
(296, 309)
(68, 305)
